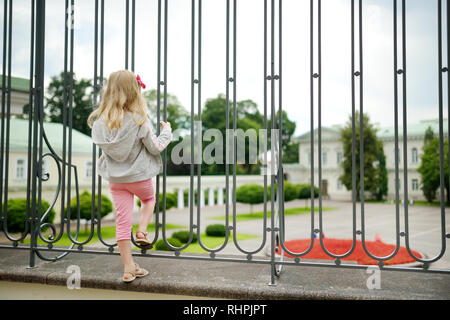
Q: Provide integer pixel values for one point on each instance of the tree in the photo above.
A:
(429, 168)
(250, 193)
(429, 135)
(372, 150)
(247, 117)
(82, 102)
(382, 175)
(289, 148)
(177, 115)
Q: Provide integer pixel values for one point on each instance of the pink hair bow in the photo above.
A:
(140, 82)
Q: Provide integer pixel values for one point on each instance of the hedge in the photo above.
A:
(161, 245)
(183, 236)
(216, 230)
(86, 204)
(17, 212)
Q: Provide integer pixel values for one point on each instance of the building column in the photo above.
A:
(180, 198)
(202, 197)
(219, 196)
(210, 197)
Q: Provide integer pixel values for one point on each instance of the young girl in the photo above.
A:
(130, 158)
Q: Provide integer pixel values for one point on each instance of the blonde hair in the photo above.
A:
(123, 93)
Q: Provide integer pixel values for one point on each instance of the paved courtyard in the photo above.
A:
(424, 225)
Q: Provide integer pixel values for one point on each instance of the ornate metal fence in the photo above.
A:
(273, 229)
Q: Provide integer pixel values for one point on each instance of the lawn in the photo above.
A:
(260, 214)
(213, 242)
(108, 233)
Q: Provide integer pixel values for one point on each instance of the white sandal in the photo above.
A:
(137, 273)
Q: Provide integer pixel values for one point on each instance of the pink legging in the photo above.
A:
(123, 199)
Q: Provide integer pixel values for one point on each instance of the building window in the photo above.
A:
(20, 169)
(398, 155)
(415, 184)
(324, 158)
(399, 184)
(339, 157)
(339, 184)
(414, 155)
(88, 170)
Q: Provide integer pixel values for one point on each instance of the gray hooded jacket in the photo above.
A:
(131, 153)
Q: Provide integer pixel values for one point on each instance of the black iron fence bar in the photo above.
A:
(30, 120)
(272, 143)
(227, 115)
(311, 66)
(39, 74)
(191, 168)
(2, 138)
(133, 23)
(396, 74)
(233, 145)
(312, 76)
(448, 88)
(64, 113)
(265, 167)
(441, 145)
(94, 106)
(70, 165)
(127, 26)
(133, 33)
(6, 88)
(363, 235)
(158, 111)
(280, 192)
(99, 181)
(166, 18)
(353, 114)
(337, 257)
(198, 81)
(234, 227)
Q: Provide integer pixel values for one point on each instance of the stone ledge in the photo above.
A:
(229, 280)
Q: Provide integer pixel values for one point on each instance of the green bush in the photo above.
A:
(17, 212)
(161, 245)
(250, 193)
(85, 206)
(171, 200)
(291, 191)
(183, 236)
(305, 191)
(216, 230)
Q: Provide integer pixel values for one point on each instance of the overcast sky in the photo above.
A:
(422, 53)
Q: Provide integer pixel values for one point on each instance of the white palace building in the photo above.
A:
(332, 156)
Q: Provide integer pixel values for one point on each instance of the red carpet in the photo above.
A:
(340, 246)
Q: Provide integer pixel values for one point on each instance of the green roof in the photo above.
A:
(81, 143)
(413, 130)
(17, 84)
